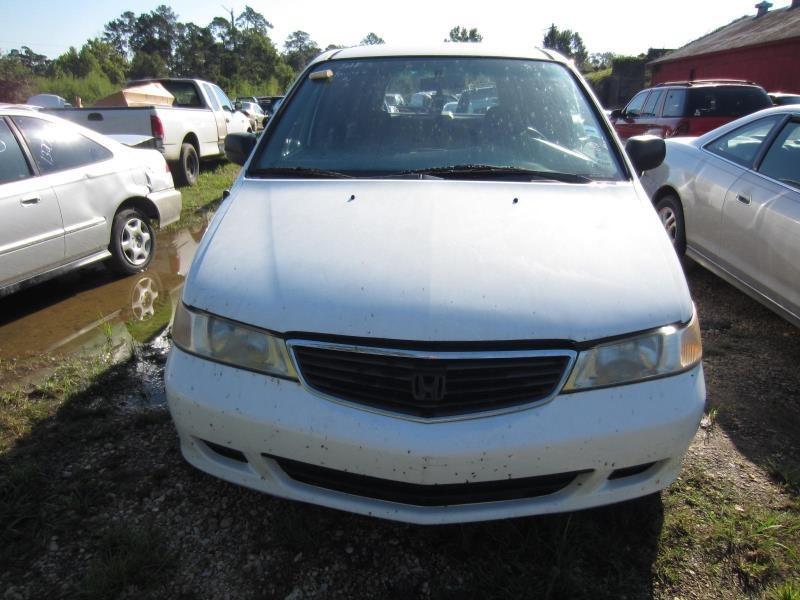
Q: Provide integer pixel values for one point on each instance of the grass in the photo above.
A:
(21, 410)
(128, 557)
(726, 536)
(214, 179)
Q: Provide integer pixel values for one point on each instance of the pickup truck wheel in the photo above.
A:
(188, 167)
(670, 212)
(133, 242)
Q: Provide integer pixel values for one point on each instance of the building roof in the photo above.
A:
(780, 24)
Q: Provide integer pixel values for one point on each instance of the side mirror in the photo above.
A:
(616, 113)
(238, 146)
(237, 105)
(646, 152)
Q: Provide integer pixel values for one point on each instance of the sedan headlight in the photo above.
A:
(666, 351)
(232, 343)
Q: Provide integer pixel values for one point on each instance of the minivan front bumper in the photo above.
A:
(242, 426)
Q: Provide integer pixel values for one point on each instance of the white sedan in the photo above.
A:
(730, 200)
(70, 196)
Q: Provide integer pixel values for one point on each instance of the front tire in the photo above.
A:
(670, 212)
(133, 242)
(188, 168)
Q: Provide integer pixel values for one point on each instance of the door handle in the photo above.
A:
(30, 201)
(743, 199)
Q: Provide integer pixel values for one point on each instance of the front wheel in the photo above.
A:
(670, 212)
(133, 242)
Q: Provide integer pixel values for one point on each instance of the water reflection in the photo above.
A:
(89, 308)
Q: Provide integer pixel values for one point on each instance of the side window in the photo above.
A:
(782, 161)
(57, 147)
(634, 108)
(673, 105)
(649, 109)
(742, 145)
(13, 164)
(212, 97)
(223, 99)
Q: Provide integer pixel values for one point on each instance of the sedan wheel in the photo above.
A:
(132, 242)
(136, 242)
(669, 221)
(670, 212)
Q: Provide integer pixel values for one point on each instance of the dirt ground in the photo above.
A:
(96, 502)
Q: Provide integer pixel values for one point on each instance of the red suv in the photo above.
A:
(688, 107)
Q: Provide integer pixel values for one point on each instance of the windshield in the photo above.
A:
(384, 116)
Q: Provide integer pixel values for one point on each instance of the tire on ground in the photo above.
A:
(187, 169)
(670, 211)
(133, 242)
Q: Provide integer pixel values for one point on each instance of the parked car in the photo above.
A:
(688, 108)
(438, 319)
(269, 104)
(395, 100)
(730, 200)
(70, 197)
(781, 99)
(253, 112)
(477, 100)
(193, 129)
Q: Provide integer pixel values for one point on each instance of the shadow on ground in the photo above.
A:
(97, 500)
(752, 375)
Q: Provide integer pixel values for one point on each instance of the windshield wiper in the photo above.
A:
(479, 171)
(302, 172)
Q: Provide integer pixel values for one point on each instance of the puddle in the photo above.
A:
(89, 309)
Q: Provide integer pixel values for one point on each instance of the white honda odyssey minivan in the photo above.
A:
(438, 316)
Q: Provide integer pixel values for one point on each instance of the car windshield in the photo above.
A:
(515, 115)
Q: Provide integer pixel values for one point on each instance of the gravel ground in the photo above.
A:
(98, 503)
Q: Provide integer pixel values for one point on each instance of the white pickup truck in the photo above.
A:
(193, 128)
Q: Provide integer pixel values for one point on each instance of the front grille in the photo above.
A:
(430, 386)
(425, 495)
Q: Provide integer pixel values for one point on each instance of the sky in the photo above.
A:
(620, 26)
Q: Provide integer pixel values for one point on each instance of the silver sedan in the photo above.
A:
(70, 196)
(730, 200)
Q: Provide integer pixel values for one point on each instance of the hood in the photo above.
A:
(439, 260)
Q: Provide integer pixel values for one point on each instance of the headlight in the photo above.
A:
(666, 351)
(231, 343)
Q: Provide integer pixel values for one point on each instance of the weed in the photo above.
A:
(789, 590)
(128, 556)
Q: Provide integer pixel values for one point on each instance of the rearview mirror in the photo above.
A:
(238, 146)
(646, 152)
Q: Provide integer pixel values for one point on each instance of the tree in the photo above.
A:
(35, 63)
(145, 65)
(600, 60)
(568, 43)
(299, 49)
(15, 79)
(155, 33)
(460, 34)
(197, 53)
(250, 20)
(112, 63)
(119, 31)
(372, 39)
